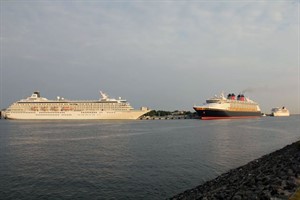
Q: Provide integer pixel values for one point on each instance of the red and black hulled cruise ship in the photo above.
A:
(219, 107)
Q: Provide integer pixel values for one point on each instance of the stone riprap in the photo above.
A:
(273, 176)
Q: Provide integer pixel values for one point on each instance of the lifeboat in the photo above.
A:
(44, 108)
(34, 108)
(66, 108)
(54, 108)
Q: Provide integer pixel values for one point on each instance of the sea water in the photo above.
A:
(141, 159)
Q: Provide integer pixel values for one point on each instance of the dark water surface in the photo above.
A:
(129, 159)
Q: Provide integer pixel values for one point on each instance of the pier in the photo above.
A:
(169, 117)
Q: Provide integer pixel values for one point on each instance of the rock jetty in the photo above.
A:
(273, 176)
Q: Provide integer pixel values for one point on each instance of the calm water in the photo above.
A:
(129, 159)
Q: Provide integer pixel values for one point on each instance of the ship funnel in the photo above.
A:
(37, 93)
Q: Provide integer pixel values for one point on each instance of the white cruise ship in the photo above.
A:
(37, 107)
(280, 112)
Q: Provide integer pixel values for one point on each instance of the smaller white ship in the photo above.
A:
(280, 112)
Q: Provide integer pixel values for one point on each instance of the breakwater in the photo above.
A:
(273, 176)
(167, 117)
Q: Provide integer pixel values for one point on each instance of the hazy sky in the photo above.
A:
(162, 54)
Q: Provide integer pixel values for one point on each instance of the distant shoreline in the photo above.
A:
(275, 175)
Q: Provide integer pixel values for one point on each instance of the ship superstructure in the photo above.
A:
(280, 112)
(37, 107)
(219, 107)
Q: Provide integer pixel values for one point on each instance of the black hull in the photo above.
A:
(207, 114)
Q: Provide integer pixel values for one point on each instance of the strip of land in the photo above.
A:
(273, 176)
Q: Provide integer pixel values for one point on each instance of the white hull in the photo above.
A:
(280, 114)
(132, 115)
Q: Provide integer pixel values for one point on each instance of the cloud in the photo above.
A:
(130, 47)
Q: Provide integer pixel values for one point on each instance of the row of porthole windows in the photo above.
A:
(73, 107)
(79, 105)
(69, 104)
(93, 106)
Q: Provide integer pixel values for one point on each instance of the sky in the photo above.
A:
(166, 55)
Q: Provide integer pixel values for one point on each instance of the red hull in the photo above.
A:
(235, 117)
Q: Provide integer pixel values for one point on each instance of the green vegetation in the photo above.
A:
(163, 113)
(158, 113)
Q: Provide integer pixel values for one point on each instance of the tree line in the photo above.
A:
(163, 113)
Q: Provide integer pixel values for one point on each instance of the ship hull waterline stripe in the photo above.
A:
(223, 114)
(240, 117)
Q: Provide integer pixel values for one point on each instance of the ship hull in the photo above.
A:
(280, 114)
(209, 114)
(76, 115)
(37, 107)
